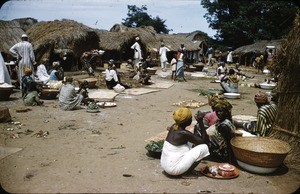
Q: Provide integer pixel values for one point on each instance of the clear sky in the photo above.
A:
(182, 16)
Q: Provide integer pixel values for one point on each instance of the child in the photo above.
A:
(173, 65)
(31, 97)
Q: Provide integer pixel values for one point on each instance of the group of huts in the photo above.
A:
(68, 39)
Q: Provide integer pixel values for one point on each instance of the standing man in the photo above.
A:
(23, 51)
(163, 56)
(137, 52)
(209, 53)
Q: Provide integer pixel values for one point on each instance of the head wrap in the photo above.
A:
(137, 38)
(24, 36)
(181, 115)
(224, 104)
(27, 71)
(261, 97)
(213, 99)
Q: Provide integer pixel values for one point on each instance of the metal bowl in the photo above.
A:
(267, 86)
(259, 154)
(232, 95)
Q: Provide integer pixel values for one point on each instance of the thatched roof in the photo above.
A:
(120, 35)
(62, 36)
(113, 40)
(10, 34)
(258, 47)
(174, 41)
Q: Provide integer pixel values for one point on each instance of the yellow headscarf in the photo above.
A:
(180, 116)
(224, 104)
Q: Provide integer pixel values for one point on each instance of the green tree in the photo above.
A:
(137, 17)
(241, 22)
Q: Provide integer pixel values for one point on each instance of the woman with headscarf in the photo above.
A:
(222, 133)
(230, 82)
(178, 156)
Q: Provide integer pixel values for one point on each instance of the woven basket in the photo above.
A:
(260, 151)
(49, 94)
(92, 82)
(5, 93)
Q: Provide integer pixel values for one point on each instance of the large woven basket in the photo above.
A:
(92, 82)
(49, 94)
(260, 151)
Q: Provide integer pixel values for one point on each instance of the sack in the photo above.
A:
(119, 88)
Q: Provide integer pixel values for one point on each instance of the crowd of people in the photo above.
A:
(182, 150)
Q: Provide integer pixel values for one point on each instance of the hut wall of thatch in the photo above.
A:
(287, 123)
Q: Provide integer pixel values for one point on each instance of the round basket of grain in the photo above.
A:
(5, 91)
(261, 155)
(49, 94)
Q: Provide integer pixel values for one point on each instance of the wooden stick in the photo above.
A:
(277, 128)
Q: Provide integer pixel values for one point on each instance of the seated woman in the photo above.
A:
(31, 98)
(230, 82)
(207, 118)
(56, 76)
(220, 136)
(111, 76)
(178, 156)
(68, 98)
(42, 73)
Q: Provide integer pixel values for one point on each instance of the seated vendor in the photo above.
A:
(266, 114)
(230, 82)
(84, 92)
(111, 77)
(178, 156)
(68, 98)
(220, 135)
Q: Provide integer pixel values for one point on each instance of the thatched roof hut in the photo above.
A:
(11, 32)
(247, 53)
(287, 122)
(55, 39)
(120, 38)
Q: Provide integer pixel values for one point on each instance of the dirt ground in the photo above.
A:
(105, 152)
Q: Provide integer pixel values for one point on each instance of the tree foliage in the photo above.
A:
(242, 22)
(137, 16)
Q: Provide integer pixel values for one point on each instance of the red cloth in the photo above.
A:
(211, 118)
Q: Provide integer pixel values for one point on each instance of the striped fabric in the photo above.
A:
(265, 118)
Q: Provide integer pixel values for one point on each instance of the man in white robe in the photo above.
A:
(137, 56)
(163, 56)
(23, 51)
